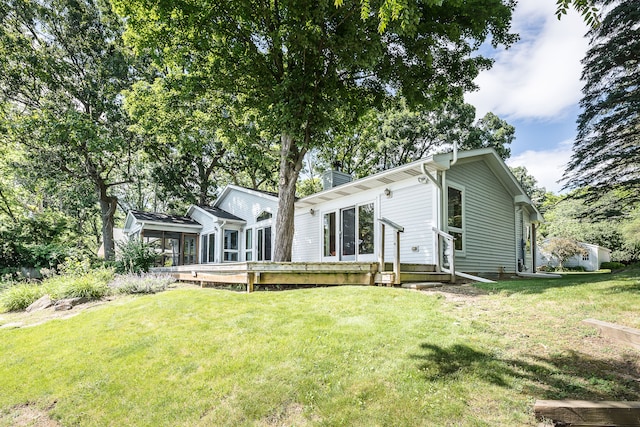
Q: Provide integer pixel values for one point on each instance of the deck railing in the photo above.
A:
(445, 253)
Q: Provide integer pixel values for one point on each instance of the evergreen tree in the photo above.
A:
(607, 146)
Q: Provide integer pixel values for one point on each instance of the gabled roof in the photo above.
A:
(260, 193)
(435, 162)
(217, 212)
(162, 218)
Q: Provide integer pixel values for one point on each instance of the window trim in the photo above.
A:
(226, 250)
(339, 233)
(462, 230)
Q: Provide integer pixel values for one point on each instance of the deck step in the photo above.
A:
(431, 276)
(421, 285)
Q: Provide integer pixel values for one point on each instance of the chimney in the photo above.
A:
(333, 178)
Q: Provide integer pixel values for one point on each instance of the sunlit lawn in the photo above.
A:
(326, 356)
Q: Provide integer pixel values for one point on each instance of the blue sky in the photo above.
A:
(535, 86)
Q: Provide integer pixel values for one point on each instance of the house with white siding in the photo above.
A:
(464, 207)
(471, 196)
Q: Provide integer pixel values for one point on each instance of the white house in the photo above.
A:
(468, 202)
(472, 196)
(595, 255)
(238, 227)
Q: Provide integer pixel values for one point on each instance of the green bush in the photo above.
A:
(611, 266)
(19, 297)
(141, 283)
(135, 256)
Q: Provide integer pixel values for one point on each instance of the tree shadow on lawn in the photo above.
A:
(572, 375)
(538, 286)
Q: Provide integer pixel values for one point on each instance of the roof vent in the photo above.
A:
(333, 178)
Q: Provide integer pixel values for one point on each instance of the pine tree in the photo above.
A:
(607, 146)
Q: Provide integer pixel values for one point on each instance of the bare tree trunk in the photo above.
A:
(290, 165)
(108, 206)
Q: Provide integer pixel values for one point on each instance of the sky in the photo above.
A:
(535, 86)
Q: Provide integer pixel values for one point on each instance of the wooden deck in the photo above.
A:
(299, 273)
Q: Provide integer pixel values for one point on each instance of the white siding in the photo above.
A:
(248, 206)
(307, 240)
(205, 219)
(410, 205)
(411, 208)
(490, 224)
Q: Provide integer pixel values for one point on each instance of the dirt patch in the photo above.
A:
(28, 415)
(458, 293)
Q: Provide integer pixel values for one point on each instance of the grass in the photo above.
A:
(357, 356)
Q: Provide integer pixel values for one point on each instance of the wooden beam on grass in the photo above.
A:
(616, 332)
(589, 413)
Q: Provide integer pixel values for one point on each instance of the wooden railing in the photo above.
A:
(396, 259)
(445, 248)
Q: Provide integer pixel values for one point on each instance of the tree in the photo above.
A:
(62, 68)
(398, 135)
(298, 62)
(607, 146)
(561, 249)
(530, 184)
(195, 143)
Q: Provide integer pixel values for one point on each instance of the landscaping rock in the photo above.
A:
(40, 304)
(69, 303)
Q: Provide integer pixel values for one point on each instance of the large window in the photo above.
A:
(455, 219)
(166, 245)
(365, 229)
(264, 244)
(248, 244)
(355, 229)
(230, 252)
(190, 249)
(329, 234)
(208, 246)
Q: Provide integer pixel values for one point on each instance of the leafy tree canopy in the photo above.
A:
(398, 134)
(62, 69)
(298, 62)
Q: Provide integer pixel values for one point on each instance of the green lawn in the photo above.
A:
(326, 356)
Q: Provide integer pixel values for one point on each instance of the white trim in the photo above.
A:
(456, 230)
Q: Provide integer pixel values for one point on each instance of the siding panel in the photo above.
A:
(489, 220)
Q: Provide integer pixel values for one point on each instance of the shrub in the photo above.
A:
(611, 265)
(135, 257)
(19, 297)
(86, 286)
(141, 284)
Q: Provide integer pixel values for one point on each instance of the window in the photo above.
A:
(355, 229)
(585, 256)
(230, 252)
(365, 229)
(190, 250)
(264, 215)
(348, 233)
(455, 220)
(212, 247)
(204, 249)
(329, 234)
(248, 244)
(208, 247)
(264, 244)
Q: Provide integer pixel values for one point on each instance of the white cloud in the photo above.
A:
(538, 77)
(546, 166)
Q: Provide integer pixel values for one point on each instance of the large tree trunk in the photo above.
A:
(290, 165)
(108, 205)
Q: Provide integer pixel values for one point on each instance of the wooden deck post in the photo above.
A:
(251, 280)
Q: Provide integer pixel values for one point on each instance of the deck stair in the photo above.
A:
(413, 273)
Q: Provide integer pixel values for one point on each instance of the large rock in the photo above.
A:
(69, 303)
(40, 304)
